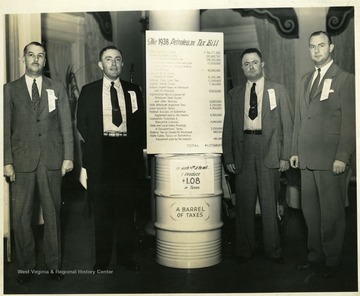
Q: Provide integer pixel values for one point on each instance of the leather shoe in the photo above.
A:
(55, 275)
(303, 265)
(277, 260)
(306, 265)
(23, 278)
(129, 264)
(330, 272)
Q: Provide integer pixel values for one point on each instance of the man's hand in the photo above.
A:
(231, 168)
(66, 167)
(294, 161)
(338, 167)
(284, 165)
(9, 172)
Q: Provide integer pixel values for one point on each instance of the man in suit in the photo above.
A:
(322, 145)
(256, 147)
(111, 120)
(38, 151)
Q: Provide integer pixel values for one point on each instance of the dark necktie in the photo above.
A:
(116, 113)
(35, 97)
(315, 85)
(253, 111)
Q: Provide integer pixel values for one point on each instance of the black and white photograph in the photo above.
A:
(179, 147)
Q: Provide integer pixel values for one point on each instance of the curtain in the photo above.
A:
(21, 29)
(235, 70)
(94, 42)
(278, 55)
(59, 60)
(344, 51)
(344, 56)
(12, 48)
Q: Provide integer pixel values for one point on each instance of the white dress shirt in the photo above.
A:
(107, 107)
(322, 72)
(259, 89)
(29, 82)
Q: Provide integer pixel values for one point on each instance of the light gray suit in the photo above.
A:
(324, 131)
(36, 145)
(256, 159)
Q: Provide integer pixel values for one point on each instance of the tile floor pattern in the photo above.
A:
(257, 275)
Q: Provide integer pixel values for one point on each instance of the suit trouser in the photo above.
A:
(48, 185)
(322, 201)
(254, 180)
(112, 192)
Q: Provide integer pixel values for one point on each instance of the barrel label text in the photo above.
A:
(194, 178)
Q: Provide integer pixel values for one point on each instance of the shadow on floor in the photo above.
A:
(257, 275)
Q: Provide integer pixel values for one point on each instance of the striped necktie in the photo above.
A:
(35, 97)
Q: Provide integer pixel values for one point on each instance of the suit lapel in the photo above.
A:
(46, 84)
(308, 88)
(330, 73)
(127, 105)
(98, 97)
(241, 104)
(23, 93)
(265, 100)
(127, 100)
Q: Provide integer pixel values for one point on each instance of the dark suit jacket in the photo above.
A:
(277, 125)
(28, 136)
(324, 131)
(90, 124)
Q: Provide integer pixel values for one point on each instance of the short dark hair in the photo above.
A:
(251, 50)
(107, 48)
(317, 33)
(33, 43)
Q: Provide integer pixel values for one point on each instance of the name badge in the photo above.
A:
(272, 98)
(326, 90)
(51, 99)
(134, 104)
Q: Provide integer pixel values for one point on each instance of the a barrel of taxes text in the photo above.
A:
(188, 223)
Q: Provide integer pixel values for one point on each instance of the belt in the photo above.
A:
(115, 134)
(253, 132)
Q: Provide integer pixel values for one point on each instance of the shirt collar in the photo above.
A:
(259, 83)
(325, 68)
(107, 82)
(30, 80)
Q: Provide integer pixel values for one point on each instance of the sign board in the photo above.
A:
(185, 92)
